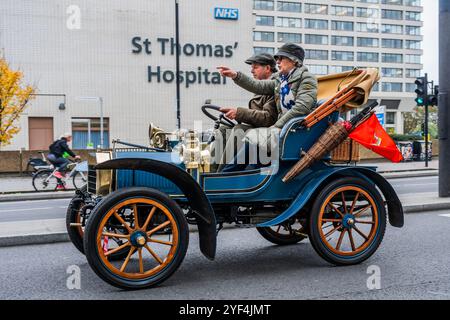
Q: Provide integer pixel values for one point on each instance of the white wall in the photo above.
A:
(97, 60)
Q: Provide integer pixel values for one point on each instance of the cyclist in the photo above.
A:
(59, 152)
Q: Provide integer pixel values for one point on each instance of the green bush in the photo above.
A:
(406, 137)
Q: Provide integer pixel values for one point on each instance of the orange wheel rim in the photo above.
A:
(79, 227)
(139, 239)
(348, 221)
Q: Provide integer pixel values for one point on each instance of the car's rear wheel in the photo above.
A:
(152, 230)
(347, 222)
(284, 234)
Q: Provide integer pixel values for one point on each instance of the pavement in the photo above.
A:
(53, 230)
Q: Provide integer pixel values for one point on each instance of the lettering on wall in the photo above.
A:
(167, 47)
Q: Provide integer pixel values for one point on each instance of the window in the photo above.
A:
(392, 43)
(341, 11)
(368, 1)
(368, 56)
(413, 58)
(86, 133)
(410, 87)
(258, 50)
(316, 24)
(413, 3)
(263, 4)
(392, 28)
(289, 6)
(316, 39)
(392, 87)
(367, 27)
(263, 36)
(316, 8)
(390, 117)
(316, 54)
(413, 44)
(412, 30)
(342, 41)
(391, 58)
(318, 69)
(289, 37)
(342, 25)
(339, 69)
(392, 72)
(367, 12)
(413, 73)
(412, 16)
(392, 2)
(264, 20)
(287, 22)
(392, 14)
(368, 42)
(342, 55)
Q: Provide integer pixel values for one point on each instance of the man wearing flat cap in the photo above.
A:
(294, 88)
(261, 112)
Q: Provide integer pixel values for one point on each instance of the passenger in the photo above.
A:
(294, 87)
(261, 111)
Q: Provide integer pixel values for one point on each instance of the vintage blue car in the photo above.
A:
(132, 221)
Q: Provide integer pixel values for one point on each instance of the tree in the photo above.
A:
(413, 120)
(14, 98)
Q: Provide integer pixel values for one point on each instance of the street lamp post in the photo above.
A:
(177, 62)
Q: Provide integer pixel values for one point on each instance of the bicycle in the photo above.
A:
(45, 179)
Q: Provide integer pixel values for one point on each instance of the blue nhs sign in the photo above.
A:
(226, 13)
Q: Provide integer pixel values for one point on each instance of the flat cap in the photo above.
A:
(264, 59)
(291, 51)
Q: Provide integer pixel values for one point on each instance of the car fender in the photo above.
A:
(317, 179)
(206, 220)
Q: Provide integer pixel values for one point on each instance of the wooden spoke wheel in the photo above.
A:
(144, 224)
(348, 221)
(284, 234)
(74, 223)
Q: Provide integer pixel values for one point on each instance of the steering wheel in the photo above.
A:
(222, 119)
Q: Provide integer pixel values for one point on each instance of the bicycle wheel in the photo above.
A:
(79, 180)
(44, 181)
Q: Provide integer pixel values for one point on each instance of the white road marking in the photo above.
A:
(33, 201)
(447, 215)
(28, 209)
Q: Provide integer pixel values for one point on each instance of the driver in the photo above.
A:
(295, 90)
(261, 111)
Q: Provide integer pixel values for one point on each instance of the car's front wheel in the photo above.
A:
(148, 225)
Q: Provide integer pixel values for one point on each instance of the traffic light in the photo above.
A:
(434, 99)
(421, 91)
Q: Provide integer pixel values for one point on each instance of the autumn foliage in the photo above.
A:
(14, 97)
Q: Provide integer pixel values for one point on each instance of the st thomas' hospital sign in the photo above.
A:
(167, 46)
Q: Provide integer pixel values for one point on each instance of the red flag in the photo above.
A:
(373, 136)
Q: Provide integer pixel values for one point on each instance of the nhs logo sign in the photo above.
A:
(226, 13)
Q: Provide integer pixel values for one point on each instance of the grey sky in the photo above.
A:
(431, 38)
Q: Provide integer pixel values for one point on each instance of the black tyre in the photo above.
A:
(283, 235)
(348, 221)
(150, 224)
(73, 216)
(43, 180)
(76, 231)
